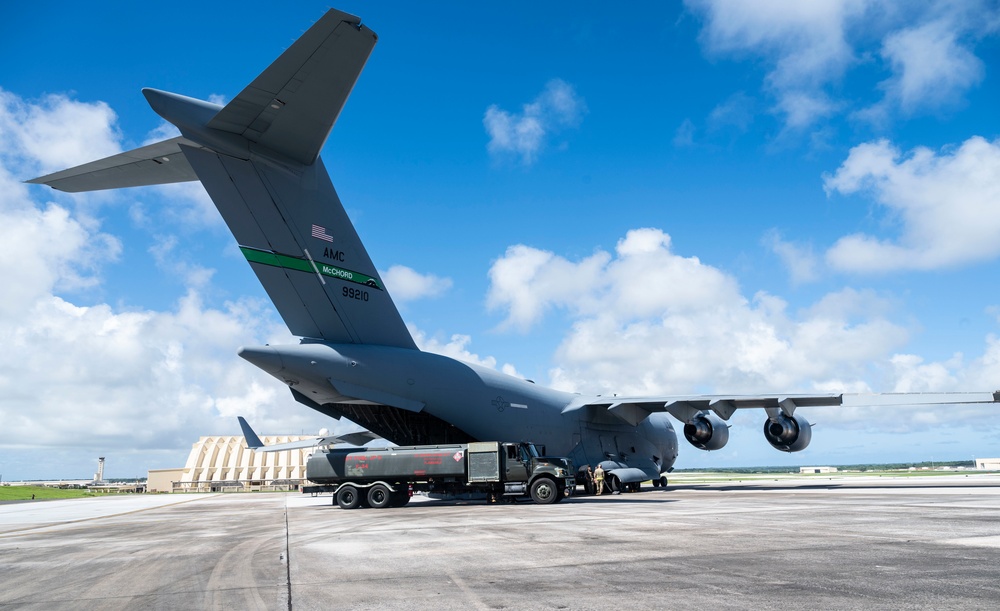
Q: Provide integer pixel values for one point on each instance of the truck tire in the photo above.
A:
(348, 497)
(379, 496)
(400, 498)
(544, 491)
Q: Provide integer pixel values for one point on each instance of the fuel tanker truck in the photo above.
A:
(387, 477)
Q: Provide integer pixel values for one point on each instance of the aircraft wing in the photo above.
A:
(155, 164)
(255, 444)
(292, 106)
(634, 410)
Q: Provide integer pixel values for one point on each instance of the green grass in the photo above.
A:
(23, 493)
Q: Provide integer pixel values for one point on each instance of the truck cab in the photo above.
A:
(547, 479)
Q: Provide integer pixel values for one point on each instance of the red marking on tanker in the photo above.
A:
(458, 456)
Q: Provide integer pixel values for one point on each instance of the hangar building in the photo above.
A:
(988, 464)
(225, 464)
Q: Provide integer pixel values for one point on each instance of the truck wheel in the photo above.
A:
(400, 498)
(378, 496)
(544, 491)
(348, 497)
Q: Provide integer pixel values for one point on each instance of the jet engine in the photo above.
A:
(706, 431)
(788, 433)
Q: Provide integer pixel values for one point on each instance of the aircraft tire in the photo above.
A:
(348, 497)
(544, 491)
(663, 481)
(379, 497)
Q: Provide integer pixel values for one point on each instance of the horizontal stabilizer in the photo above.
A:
(292, 106)
(156, 164)
(254, 443)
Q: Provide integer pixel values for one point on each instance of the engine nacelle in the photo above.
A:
(788, 433)
(706, 431)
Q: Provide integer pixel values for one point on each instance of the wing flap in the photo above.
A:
(159, 163)
(920, 398)
(634, 410)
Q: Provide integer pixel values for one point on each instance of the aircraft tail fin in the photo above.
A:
(253, 441)
(358, 438)
(258, 159)
(291, 107)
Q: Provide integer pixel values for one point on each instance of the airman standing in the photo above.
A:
(599, 480)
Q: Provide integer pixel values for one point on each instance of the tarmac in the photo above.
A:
(830, 542)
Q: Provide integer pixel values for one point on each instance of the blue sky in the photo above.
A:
(682, 197)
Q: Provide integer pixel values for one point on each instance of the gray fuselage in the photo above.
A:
(482, 402)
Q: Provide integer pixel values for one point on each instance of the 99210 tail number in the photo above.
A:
(353, 293)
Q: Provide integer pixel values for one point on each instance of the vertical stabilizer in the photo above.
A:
(258, 158)
(299, 241)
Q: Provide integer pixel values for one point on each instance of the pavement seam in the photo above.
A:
(288, 559)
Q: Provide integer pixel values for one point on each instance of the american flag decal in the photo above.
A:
(320, 232)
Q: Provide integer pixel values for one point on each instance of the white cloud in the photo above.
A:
(457, 347)
(406, 284)
(165, 253)
(798, 259)
(945, 204)
(804, 43)
(647, 320)
(127, 379)
(527, 281)
(931, 68)
(525, 134)
(736, 112)
(808, 47)
(123, 380)
(55, 132)
(684, 136)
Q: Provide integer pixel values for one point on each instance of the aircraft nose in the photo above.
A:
(265, 357)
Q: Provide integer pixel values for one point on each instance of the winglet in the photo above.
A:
(253, 441)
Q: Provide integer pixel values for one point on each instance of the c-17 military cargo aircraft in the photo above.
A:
(258, 158)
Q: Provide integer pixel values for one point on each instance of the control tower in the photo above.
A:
(99, 476)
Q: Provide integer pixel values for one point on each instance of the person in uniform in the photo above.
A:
(599, 480)
(589, 483)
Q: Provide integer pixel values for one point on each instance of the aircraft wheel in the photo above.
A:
(348, 497)
(663, 481)
(379, 496)
(544, 491)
